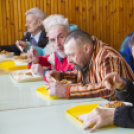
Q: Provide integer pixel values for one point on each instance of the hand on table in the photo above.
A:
(113, 80)
(52, 73)
(37, 69)
(98, 118)
(57, 89)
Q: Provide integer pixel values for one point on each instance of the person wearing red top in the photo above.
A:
(56, 60)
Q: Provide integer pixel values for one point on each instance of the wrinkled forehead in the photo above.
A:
(54, 31)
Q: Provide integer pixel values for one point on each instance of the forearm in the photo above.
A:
(41, 51)
(10, 48)
(124, 117)
(88, 91)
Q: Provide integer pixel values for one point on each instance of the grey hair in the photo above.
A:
(67, 28)
(131, 42)
(38, 13)
(55, 19)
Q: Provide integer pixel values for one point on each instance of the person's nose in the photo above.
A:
(57, 42)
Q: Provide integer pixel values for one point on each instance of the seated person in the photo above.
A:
(93, 60)
(121, 116)
(126, 50)
(35, 33)
(56, 60)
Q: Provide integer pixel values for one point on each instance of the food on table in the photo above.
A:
(114, 104)
(4, 52)
(21, 59)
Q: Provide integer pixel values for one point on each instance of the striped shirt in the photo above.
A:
(104, 60)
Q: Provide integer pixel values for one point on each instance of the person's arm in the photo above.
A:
(127, 93)
(94, 89)
(41, 51)
(10, 48)
(124, 117)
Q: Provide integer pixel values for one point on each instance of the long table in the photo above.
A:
(24, 111)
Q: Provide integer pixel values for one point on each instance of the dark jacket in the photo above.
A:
(124, 116)
(43, 40)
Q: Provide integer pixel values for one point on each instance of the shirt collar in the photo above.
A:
(36, 37)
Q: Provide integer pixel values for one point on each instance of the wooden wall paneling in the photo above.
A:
(66, 8)
(124, 18)
(94, 17)
(120, 21)
(129, 16)
(80, 14)
(4, 22)
(16, 27)
(101, 20)
(20, 26)
(1, 26)
(84, 12)
(34, 3)
(12, 22)
(108, 23)
(48, 7)
(77, 13)
(104, 19)
(133, 14)
(72, 11)
(54, 7)
(30, 3)
(45, 7)
(111, 41)
(27, 7)
(97, 28)
(60, 5)
(23, 10)
(8, 19)
(40, 4)
(90, 25)
(116, 25)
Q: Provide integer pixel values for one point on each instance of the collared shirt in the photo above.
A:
(105, 60)
(36, 37)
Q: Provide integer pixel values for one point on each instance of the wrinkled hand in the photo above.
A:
(57, 89)
(32, 55)
(37, 69)
(113, 80)
(52, 73)
(24, 45)
(98, 118)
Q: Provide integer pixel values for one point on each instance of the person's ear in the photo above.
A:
(40, 22)
(86, 48)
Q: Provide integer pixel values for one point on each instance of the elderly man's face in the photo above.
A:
(57, 35)
(77, 55)
(32, 23)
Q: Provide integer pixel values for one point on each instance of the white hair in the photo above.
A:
(55, 19)
(38, 13)
(67, 28)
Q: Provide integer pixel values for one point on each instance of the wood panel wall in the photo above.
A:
(109, 20)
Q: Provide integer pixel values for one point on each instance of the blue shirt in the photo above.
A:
(126, 52)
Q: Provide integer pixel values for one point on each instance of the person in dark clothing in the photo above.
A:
(35, 33)
(122, 116)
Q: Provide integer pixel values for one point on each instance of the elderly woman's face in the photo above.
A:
(76, 54)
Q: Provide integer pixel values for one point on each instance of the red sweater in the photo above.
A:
(61, 64)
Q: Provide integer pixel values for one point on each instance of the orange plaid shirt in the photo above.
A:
(105, 60)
